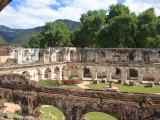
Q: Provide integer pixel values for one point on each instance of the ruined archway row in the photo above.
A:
(60, 71)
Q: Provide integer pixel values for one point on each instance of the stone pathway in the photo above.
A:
(82, 85)
(11, 107)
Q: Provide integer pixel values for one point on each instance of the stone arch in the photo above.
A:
(133, 73)
(38, 73)
(72, 55)
(26, 73)
(47, 72)
(4, 105)
(117, 55)
(56, 71)
(130, 56)
(117, 73)
(145, 56)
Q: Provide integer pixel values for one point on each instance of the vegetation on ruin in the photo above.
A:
(54, 112)
(121, 28)
(142, 88)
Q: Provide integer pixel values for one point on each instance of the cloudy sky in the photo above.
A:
(27, 14)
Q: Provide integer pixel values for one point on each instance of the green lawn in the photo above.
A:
(139, 89)
(54, 111)
(91, 115)
(99, 116)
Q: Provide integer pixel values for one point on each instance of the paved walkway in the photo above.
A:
(11, 107)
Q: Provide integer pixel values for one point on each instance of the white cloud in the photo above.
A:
(139, 6)
(33, 13)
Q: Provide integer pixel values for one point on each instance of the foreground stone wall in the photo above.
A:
(75, 103)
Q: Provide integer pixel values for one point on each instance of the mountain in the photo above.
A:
(22, 36)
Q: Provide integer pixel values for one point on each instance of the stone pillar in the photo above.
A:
(140, 76)
(59, 75)
(51, 75)
(31, 77)
(41, 76)
(94, 74)
(124, 72)
(108, 74)
(80, 73)
(156, 77)
(124, 75)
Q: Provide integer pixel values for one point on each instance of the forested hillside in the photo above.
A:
(22, 36)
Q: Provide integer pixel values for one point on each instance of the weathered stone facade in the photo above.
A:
(58, 62)
(75, 103)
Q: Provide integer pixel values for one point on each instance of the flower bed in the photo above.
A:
(70, 82)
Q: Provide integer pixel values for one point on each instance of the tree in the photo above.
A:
(87, 34)
(147, 28)
(54, 35)
(117, 10)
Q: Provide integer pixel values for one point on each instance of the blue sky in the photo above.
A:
(27, 14)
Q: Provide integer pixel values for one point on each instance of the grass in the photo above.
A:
(99, 116)
(138, 89)
(91, 115)
(53, 110)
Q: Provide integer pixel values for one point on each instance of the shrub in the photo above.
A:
(9, 101)
(17, 112)
(79, 80)
(73, 76)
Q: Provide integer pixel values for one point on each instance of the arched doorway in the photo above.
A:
(27, 74)
(117, 73)
(56, 71)
(46, 73)
(72, 55)
(98, 116)
(133, 74)
(130, 56)
(12, 106)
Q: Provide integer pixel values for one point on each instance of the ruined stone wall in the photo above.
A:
(75, 103)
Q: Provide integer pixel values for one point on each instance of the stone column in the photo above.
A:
(41, 76)
(80, 73)
(59, 75)
(124, 75)
(108, 74)
(140, 76)
(156, 77)
(94, 73)
(31, 77)
(51, 75)
(124, 72)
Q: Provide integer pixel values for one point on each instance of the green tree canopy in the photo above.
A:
(54, 35)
